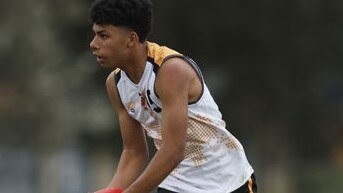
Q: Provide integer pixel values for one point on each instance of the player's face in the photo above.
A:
(109, 45)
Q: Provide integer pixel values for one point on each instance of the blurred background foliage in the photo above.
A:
(274, 67)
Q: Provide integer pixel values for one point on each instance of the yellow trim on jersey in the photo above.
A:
(250, 183)
(116, 70)
(159, 53)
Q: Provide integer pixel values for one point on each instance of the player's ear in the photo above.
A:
(133, 39)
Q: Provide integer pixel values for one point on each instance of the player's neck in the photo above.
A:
(137, 62)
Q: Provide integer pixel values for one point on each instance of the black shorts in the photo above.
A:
(249, 187)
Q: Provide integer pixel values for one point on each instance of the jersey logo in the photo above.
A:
(152, 104)
(131, 107)
(146, 102)
(143, 101)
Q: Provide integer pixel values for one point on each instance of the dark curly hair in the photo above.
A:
(135, 15)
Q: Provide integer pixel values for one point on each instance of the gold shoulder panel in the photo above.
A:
(117, 70)
(159, 53)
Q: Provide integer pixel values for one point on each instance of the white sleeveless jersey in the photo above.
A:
(214, 160)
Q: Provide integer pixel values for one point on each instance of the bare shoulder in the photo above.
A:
(174, 71)
(177, 66)
(177, 77)
(110, 83)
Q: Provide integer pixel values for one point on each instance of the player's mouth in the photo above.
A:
(98, 57)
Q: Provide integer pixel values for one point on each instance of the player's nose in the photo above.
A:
(93, 44)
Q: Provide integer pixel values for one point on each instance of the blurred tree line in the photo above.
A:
(274, 67)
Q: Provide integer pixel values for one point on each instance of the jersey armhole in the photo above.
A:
(193, 64)
(117, 75)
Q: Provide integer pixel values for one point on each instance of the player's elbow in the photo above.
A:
(137, 156)
(176, 152)
(139, 152)
(143, 154)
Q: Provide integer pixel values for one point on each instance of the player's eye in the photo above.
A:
(103, 36)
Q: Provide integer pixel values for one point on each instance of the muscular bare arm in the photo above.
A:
(135, 151)
(175, 85)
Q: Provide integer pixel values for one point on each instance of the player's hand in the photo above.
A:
(110, 190)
